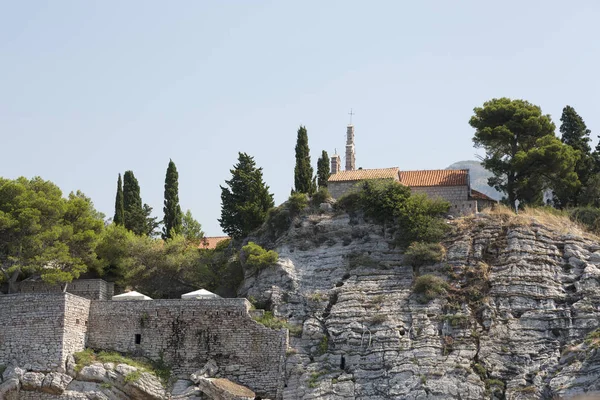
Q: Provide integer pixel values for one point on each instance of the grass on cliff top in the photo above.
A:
(547, 216)
(88, 357)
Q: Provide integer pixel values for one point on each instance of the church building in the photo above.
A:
(453, 186)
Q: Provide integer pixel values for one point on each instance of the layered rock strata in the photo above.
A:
(523, 297)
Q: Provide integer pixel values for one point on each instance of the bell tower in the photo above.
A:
(350, 155)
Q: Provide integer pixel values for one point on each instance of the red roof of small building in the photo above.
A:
(211, 242)
(365, 174)
(435, 177)
(480, 196)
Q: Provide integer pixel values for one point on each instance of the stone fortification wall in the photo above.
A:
(77, 310)
(458, 196)
(33, 329)
(186, 333)
(93, 289)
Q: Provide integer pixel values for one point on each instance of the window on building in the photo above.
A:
(138, 338)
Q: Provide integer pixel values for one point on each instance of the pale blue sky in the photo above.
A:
(89, 89)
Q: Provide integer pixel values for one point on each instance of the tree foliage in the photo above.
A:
(135, 215)
(191, 229)
(173, 215)
(303, 172)
(166, 268)
(119, 217)
(323, 170)
(245, 200)
(257, 257)
(42, 232)
(511, 132)
(576, 134)
(415, 217)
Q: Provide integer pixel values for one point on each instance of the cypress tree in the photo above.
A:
(173, 215)
(303, 172)
(246, 200)
(576, 134)
(119, 218)
(135, 218)
(323, 170)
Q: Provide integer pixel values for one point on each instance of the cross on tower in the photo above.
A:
(351, 114)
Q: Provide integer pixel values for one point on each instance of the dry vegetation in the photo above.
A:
(547, 216)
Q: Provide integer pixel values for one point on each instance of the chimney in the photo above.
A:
(336, 164)
(350, 161)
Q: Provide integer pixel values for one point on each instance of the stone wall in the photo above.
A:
(338, 189)
(34, 326)
(186, 333)
(93, 289)
(77, 310)
(458, 196)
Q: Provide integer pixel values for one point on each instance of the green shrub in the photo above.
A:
(586, 216)
(312, 382)
(321, 196)
(417, 216)
(323, 345)
(480, 370)
(133, 376)
(422, 253)
(278, 220)
(296, 203)
(271, 321)
(350, 202)
(258, 257)
(430, 287)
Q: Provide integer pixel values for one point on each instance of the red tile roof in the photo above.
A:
(364, 174)
(435, 177)
(211, 242)
(480, 196)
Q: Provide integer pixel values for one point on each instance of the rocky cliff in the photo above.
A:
(517, 321)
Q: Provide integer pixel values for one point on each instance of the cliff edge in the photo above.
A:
(516, 316)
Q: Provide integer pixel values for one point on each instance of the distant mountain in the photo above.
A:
(479, 177)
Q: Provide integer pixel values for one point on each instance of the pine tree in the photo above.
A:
(119, 218)
(246, 200)
(323, 171)
(522, 151)
(575, 134)
(135, 219)
(172, 210)
(303, 172)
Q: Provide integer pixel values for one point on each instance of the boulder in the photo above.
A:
(224, 389)
(146, 387)
(9, 388)
(209, 370)
(32, 381)
(92, 373)
(55, 382)
(70, 366)
(12, 372)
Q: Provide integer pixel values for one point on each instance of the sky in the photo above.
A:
(90, 89)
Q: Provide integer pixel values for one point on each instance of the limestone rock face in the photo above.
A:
(523, 297)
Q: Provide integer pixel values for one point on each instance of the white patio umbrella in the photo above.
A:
(200, 294)
(131, 296)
